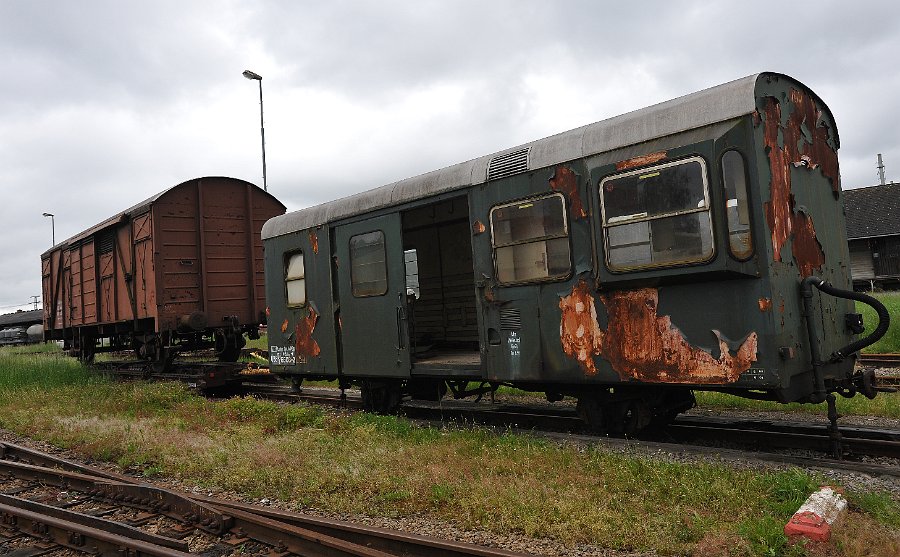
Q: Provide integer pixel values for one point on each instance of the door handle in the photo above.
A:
(401, 316)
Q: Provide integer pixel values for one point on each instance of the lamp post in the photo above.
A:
(52, 226)
(262, 130)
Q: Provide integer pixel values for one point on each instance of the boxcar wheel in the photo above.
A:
(590, 410)
(380, 397)
(426, 389)
(86, 351)
(231, 349)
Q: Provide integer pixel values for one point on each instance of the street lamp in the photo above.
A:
(262, 130)
(52, 226)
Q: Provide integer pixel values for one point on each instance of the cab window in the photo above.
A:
(295, 279)
(657, 216)
(368, 265)
(737, 209)
(530, 240)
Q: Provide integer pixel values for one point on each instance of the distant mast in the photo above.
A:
(880, 169)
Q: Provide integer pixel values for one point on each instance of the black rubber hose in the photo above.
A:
(884, 318)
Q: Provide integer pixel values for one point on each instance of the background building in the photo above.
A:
(873, 233)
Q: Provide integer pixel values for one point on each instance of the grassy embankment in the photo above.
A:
(378, 465)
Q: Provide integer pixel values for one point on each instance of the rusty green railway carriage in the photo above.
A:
(625, 263)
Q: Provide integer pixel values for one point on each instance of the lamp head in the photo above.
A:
(251, 75)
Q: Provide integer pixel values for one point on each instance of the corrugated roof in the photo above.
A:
(873, 211)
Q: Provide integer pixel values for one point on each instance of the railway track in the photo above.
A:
(888, 374)
(48, 504)
(754, 434)
(887, 360)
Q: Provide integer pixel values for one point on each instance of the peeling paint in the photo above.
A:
(641, 160)
(305, 343)
(284, 326)
(765, 304)
(314, 241)
(565, 181)
(803, 144)
(806, 248)
(641, 345)
(579, 332)
(478, 227)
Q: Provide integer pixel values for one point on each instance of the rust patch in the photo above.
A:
(565, 181)
(804, 144)
(806, 248)
(478, 227)
(284, 326)
(579, 332)
(489, 294)
(765, 304)
(641, 345)
(314, 241)
(641, 160)
(305, 343)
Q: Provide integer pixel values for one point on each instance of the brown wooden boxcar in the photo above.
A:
(182, 270)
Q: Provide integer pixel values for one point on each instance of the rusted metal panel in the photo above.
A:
(765, 304)
(803, 141)
(305, 344)
(314, 241)
(579, 331)
(642, 160)
(641, 345)
(143, 262)
(565, 181)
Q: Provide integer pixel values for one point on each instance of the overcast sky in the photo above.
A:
(106, 103)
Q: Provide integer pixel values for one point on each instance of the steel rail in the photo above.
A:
(286, 531)
(91, 521)
(79, 536)
(890, 360)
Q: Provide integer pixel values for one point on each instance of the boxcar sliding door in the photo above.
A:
(371, 277)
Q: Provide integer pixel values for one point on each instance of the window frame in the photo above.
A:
(746, 170)
(707, 208)
(384, 262)
(287, 261)
(565, 234)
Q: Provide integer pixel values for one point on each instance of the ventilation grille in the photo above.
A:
(510, 319)
(106, 242)
(508, 164)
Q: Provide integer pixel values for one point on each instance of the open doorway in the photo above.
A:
(443, 320)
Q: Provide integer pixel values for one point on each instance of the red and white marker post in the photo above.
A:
(814, 518)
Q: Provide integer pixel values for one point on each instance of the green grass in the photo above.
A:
(886, 405)
(389, 466)
(890, 342)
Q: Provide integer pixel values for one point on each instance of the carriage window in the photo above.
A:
(531, 240)
(734, 177)
(368, 265)
(657, 216)
(295, 279)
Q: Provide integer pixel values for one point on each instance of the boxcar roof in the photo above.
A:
(133, 211)
(710, 106)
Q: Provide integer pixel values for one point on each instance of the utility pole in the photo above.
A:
(35, 301)
(880, 169)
